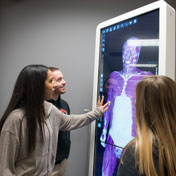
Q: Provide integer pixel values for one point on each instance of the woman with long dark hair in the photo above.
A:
(29, 127)
(153, 151)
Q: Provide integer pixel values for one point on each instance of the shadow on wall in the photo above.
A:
(13, 2)
(9, 2)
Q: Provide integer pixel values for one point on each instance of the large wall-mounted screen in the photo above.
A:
(128, 50)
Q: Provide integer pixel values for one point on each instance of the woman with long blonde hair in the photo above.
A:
(153, 151)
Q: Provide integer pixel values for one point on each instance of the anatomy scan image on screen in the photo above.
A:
(128, 52)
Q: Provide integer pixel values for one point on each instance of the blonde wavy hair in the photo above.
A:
(156, 125)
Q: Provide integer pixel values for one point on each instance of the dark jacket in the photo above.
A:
(129, 168)
(64, 142)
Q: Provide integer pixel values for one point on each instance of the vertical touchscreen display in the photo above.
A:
(129, 51)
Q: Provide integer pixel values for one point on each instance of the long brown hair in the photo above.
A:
(156, 125)
(28, 94)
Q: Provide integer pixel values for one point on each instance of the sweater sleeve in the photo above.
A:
(8, 153)
(70, 122)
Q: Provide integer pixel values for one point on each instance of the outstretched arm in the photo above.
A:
(69, 122)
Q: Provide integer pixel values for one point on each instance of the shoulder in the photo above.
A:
(114, 74)
(64, 105)
(50, 101)
(128, 167)
(63, 102)
(145, 72)
(13, 121)
(49, 107)
(128, 152)
(16, 115)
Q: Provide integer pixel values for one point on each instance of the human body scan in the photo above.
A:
(119, 121)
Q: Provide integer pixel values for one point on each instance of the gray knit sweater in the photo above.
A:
(13, 141)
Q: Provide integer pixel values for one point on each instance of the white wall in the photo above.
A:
(62, 34)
